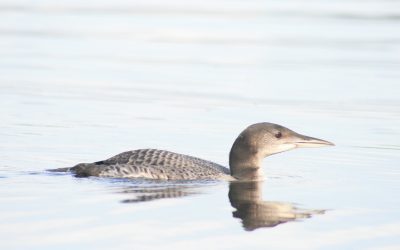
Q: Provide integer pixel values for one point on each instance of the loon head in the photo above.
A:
(261, 140)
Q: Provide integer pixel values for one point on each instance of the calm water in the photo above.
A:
(81, 81)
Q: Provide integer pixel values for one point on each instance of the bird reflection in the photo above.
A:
(157, 193)
(246, 198)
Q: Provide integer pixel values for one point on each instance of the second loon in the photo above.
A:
(249, 149)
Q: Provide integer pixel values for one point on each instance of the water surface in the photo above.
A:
(83, 81)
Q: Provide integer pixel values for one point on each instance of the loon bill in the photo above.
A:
(249, 149)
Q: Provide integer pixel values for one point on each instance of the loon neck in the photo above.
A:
(245, 160)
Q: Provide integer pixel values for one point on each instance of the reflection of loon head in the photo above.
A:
(255, 213)
(263, 139)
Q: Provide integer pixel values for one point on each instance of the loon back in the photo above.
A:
(153, 164)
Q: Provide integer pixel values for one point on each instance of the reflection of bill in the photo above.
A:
(246, 198)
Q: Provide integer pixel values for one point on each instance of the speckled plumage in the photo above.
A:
(153, 164)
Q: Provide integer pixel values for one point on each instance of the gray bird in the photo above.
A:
(249, 149)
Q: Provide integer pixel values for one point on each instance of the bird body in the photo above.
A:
(249, 149)
(153, 164)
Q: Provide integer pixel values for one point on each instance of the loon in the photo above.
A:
(249, 149)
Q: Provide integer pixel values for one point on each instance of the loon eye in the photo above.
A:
(278, 135)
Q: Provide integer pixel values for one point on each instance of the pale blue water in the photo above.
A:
(81, 81)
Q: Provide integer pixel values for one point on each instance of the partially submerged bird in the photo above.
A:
(249, 149)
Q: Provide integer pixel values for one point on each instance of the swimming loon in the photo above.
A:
(252, 145)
